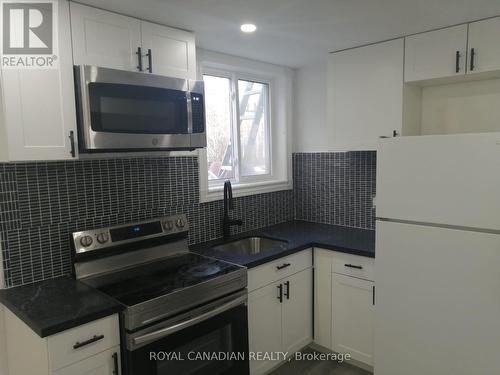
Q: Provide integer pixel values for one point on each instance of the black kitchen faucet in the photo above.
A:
(227, 222)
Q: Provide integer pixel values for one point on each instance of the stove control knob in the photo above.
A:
(168, 225)
(180, 223)
(102, 237)
(86, 241)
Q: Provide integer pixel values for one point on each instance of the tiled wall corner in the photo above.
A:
(335, 188)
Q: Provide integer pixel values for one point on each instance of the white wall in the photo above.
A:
(310, 129)
(465, 107)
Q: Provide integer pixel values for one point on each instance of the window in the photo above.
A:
(248, 106)
(238, 128)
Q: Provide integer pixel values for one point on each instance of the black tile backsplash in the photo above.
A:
(335, 188)
(41, 203)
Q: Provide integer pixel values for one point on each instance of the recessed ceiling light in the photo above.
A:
(248, 27)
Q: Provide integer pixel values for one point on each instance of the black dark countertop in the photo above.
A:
(55, 305)
(300, 235)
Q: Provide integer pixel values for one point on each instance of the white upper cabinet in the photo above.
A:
(104, 39)
(365, 94)
(484, 48)
(172, 51)
(454, 51)
(436, 54)
(38, 105)
(111, 40)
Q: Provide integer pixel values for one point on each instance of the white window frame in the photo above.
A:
(279, 81)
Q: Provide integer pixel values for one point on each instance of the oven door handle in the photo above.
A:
(153, 336)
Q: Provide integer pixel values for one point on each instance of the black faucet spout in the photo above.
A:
(227, 222)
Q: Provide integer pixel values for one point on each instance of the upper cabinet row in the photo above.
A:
(38, 116)
(454, 51)
(438, 82)
(111, 40)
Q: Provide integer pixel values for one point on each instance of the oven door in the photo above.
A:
(121, 110)
(212, 339)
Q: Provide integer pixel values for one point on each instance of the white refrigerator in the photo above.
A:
(437, 259)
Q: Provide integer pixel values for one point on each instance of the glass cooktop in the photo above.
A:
(152, 280)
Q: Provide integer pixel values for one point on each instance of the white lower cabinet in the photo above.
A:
(352, 317)
(280, 313)
(105, 363)
(91, 349)
(264, 322)
(297, 311)
(344, 304)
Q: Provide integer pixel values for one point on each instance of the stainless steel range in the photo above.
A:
(176, 301)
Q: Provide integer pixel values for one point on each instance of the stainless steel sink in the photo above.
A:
(249, 246)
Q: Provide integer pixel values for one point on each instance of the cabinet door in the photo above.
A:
(352, 317)
(365, 93)
(104, 39)
(323, 297)
(438, 297)
(104, 363)
(297, 311)
(39, 104)
(264, 325)
(433, 54)
(172, 51)
(483, 38)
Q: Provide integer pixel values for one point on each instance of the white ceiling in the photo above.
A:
(298, 32)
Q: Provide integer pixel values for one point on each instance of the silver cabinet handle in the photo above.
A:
(152, 336)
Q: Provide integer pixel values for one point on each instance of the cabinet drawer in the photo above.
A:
(353, 265)
(105, 363)
(82, 342)
(279, 268)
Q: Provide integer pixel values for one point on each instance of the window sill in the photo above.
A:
(217, 192)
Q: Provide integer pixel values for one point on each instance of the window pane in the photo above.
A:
(218, 117)
(254, 132)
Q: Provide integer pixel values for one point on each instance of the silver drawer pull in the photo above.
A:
(89, 341)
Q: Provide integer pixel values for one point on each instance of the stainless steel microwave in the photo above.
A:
(132, 111)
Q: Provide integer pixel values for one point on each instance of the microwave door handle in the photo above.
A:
(163, 332)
